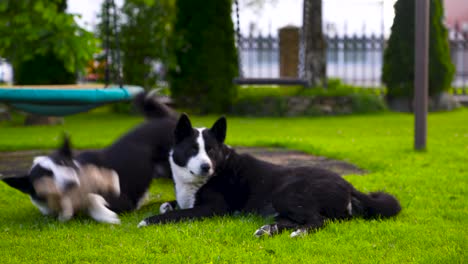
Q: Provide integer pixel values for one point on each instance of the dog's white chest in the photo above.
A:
(185, 194)
(186, 185)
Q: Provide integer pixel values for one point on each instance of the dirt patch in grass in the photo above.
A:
(296, 158)
(19, 162)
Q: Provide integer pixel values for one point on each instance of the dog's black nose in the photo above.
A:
(205, 167)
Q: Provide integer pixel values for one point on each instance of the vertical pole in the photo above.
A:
(107, 45)
(117, 45)
(382, 17)
(382, 40)
(239, 42)
(421, 73)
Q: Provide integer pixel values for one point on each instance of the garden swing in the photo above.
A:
(62, 100)
(241, 80)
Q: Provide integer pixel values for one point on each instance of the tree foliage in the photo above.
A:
(146, 35)
(205, 55)
(41, 27)
(398, 68)
(144, 29)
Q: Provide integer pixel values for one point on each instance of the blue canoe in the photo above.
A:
(65, 100)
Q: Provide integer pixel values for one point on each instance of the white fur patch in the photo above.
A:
(350, 208)
(195, 162)
(165, 207)
(186, 185)
(299, 232)
(98, 210)
(63, 175)
(266, 230)
(189, 179)
(142, 224)
(43, 208)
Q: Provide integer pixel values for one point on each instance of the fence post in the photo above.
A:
(289, 51)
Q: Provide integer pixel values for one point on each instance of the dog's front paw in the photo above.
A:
(64, 217)
(165, 207)
(152, 220)
(99, 212)
(142, 224)
(115, 186)
(298, 233)
(266, 230)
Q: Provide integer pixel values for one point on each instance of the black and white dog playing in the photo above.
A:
(212, 179)
(135, 157)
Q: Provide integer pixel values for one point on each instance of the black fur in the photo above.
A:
(134, 157)
(301, 197)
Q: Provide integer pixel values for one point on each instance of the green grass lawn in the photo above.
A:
(432, 188)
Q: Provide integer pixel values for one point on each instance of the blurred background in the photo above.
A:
(162, 44)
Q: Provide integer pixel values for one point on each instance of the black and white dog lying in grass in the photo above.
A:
(134, 157)
(212, 179)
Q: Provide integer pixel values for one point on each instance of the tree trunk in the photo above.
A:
(315, 45)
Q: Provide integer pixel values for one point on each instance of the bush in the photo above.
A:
(398, 68)
(205, 56)
(43, 43)
(337, 99)
(145, 33)
(42, 69)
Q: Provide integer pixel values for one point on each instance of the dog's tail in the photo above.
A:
(374, 204)
(149, 104)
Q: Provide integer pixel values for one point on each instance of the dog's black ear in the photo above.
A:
(183, 128)
(65, 149)
(22, 184)
(219, 129)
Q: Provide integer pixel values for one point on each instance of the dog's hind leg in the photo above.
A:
(293, 214)
(314, 222)
(121, 203)
(277, 227)
(281, 223)
(67, 210)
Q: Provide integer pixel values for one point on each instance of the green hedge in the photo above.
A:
(205, 56)
(337, 99)
(43, 69)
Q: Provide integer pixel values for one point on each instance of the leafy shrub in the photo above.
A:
(335, 88)
(42, 41)
(43, 69)
(205, 56)
(297, 101)
(366, 103)
(145, 29)
(398, 68)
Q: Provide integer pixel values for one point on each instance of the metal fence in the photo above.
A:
(356, 60)
(459, 53)
(259, 56)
